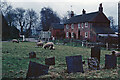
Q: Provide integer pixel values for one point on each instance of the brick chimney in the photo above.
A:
(83, 12)
(100, 8)
(72, 14)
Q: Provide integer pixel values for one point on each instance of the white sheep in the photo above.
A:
(40, 43)
(49, 45)
(15, 40)
(115, 53)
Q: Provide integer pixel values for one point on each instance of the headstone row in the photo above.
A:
(74, 63)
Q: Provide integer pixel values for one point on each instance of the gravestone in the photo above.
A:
(35, 70)
(32, 55)
(74, 64)
(93, 64)
(110, 61)
(95, 52)
(50, 61)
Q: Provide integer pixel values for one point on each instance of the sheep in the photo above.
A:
(15, 40)
(49, 45)
(40, 43)
(115, 53)
(52, 48)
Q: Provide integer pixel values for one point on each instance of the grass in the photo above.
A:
(15, 61)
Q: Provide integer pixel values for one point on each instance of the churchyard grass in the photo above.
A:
(15, 60)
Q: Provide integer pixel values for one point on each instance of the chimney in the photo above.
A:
(83, 12)
(72, 14)
(100, 8)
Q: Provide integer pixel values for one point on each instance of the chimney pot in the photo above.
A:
(100, 8)
(84, 12)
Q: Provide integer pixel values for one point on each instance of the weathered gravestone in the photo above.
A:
(93, 64)
(35, 70)
(110, 61)
(32, 55)
(95, 52)
(50, 61)
(74, 64)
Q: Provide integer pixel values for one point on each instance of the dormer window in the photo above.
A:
(86, 24)
(72, 26)
(67, 27)
(79, 26)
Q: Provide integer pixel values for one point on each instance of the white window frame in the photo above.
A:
(78, 25)
(86, 34)
(82, 25)
(86, 24)
(67, 27)
(66, 34)
(72, 35)
(72, 26)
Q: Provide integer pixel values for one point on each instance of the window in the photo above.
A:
(72, 26)
(79, 26)
(66, 34)
(82, 25)
(86, 34)
(86, 24)
(72, 35)
(67, 27)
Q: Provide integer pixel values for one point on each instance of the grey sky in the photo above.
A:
(110, 8)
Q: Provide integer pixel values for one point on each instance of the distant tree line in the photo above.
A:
(27, 19)
(18, 17)
(48, 16)
(112, 24)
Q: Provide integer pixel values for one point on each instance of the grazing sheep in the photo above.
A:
(15, 40)
(52, 48)
(115, 53)
(40, 43)
(48, 45)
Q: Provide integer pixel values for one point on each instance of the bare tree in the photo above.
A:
(8, 12)
(11, 17)
(112, 21)
(20, 19)
(31, 20)
(5, 7)
(31, 17)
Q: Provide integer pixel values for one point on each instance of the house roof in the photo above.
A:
(82, 18)
(57, 26)
(103, 30)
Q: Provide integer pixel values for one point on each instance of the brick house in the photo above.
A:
(87, 26)
(57, 30)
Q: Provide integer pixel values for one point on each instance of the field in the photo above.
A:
(15, 61)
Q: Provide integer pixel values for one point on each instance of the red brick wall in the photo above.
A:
(70, 30)
(55, 32)
(75, 30)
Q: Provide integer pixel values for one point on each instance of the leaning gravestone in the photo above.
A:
(50, 61)
(95, 52)
(74, 64)
(110, 61)
(93, 64)
(35, 70)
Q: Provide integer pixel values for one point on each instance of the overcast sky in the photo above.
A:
(110, 7)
